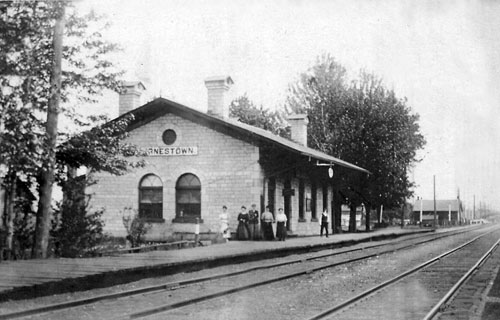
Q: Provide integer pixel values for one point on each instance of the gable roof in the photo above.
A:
(441, 205)
(162, 106)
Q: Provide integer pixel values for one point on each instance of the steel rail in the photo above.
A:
(460, 282)
(173, 285)
(165, 286)
(386, 283)
(167, 307)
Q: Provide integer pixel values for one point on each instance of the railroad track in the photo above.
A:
(435, 280)
(361, 253)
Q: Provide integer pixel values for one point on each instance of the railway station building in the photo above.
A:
(196, 162)
(448, 212)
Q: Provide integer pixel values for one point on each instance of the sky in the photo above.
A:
(443, 56)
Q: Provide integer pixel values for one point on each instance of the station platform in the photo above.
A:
(24, 279)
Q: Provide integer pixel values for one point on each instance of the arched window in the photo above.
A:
(188, 198)
(151, 197)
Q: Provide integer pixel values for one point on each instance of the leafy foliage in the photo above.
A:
(24, 227)
(363, 123)
(26, 62)
(320, 93)
(100, 149)
(247, 112)
(136, 227)
(28, 36)
(79, 235)
(76, 233)
(25, 77)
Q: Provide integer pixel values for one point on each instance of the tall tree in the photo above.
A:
(320, 92)
(247, 112)
(388, 137)
(29, 109)
(363, 123)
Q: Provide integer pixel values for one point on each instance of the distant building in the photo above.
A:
(197, 162)
(448, 212)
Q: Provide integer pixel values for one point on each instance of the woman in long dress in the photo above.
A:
(267, 224)
(243, 231)
(224, 224)
(281, 227)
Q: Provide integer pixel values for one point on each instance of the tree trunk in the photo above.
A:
(337, 212)
(379, 214)
(403, 215)
(352, 218)
(3, 205)
(44, 212)
(367, 218)
(10, 216)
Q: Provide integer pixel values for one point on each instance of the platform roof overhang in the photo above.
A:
(161, 106)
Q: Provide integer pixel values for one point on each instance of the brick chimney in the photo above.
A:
(217, 88)
(298, 124)
(130, 96)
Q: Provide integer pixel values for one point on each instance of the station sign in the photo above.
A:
(172, 151)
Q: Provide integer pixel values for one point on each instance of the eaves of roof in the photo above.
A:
(161, 106)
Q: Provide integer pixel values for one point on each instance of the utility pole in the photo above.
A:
(403, 208)
(421, 210)
(480, 211)
(474, 207)
(434, 183)
(403, 214)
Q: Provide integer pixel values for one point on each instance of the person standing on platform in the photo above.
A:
(254, 223)
(281, 227)
(243, 232)
(324, 221)
(224, 224)
(267, 224)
